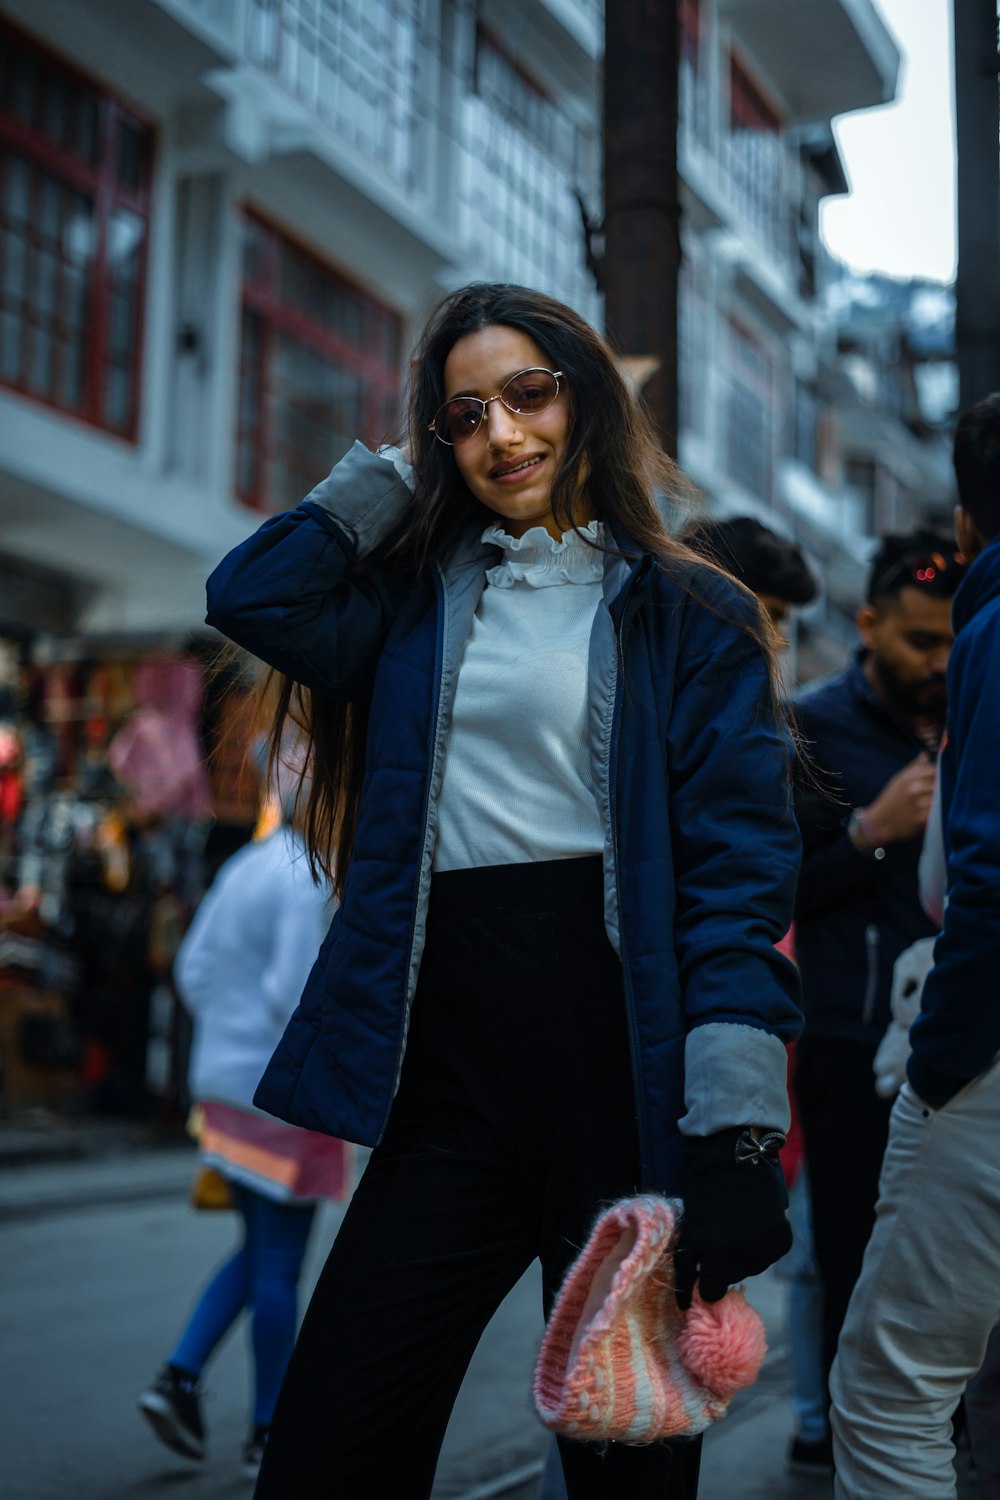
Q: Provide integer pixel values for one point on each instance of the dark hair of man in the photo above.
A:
(612, 453)
(891, 568)
(977, 464)
(765, 562)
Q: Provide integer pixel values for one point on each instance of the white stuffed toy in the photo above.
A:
(908, 975)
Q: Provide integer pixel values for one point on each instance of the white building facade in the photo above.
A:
(223, 222)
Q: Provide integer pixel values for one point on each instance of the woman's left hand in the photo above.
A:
(735, 1222)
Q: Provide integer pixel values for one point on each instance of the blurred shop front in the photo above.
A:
(124, 784)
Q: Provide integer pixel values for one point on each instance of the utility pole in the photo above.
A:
(977, 131)
(642, 251)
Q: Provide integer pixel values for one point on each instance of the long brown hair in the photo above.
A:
(611, 452)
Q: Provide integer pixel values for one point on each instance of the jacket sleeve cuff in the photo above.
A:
(366, 493)
(734, 1075)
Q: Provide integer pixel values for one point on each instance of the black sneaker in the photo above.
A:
(253, 1451)
(172, 1408)
(811, 1455)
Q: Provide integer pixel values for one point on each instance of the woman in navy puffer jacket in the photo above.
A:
(551, 776)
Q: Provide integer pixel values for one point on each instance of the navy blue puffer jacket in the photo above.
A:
(690, 774)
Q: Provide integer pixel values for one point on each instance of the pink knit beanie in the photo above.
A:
(619, 1359)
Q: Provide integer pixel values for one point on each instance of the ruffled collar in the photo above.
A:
(537, 559)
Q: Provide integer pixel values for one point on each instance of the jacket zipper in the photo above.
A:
(633, 1030)
(432, 757)
(871, 984)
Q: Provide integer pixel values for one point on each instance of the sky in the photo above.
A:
(900, 214)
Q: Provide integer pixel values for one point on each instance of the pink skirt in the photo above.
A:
(281, 1161)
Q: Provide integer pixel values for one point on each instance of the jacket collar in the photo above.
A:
(979, 587)
(622, 568)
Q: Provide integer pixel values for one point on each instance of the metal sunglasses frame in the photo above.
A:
(557, 376)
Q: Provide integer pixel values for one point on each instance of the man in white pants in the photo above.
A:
(929, 1292)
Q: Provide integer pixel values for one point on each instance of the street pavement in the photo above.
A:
(102, 1259)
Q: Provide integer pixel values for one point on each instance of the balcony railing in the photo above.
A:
(362, 67)
(758, 180)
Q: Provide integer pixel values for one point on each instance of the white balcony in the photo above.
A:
(151, 51)
(824, 57)
(70, 511)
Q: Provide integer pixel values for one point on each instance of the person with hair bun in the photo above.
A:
(771, 566)
(550, 777)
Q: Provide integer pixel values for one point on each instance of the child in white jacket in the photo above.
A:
(240, 971)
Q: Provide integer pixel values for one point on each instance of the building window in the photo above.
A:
(750, 427)
(863, 475)
(690, 33)
(756, 162)
(806, 428)
(749, 110)
(524, 162)
(360, 65)
(509, 91)
(694, 99)
(75, 168)
(693, 331)
(319, 367)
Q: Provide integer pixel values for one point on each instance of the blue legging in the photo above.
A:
(263, 1276)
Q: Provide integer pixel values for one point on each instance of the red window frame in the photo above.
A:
(100, 181)
(748, 107)
(373, 360)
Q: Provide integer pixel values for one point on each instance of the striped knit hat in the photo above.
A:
(619, 1359)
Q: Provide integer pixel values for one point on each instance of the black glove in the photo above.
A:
(734, 1222)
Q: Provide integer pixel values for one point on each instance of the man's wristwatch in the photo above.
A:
(859, 836)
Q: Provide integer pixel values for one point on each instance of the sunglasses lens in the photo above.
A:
(531, 391)
(458, 420)
(526, 394)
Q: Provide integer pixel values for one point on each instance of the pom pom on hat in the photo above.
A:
(722, 1343)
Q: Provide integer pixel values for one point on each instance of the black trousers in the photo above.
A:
(845, 1127)
(514, 1122)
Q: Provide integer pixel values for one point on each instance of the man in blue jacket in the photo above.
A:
(873, 733)
(929, 1293)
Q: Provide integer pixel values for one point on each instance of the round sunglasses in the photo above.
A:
(526, 394)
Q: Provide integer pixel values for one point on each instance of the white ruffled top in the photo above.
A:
(537, 559)
(517, 786)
